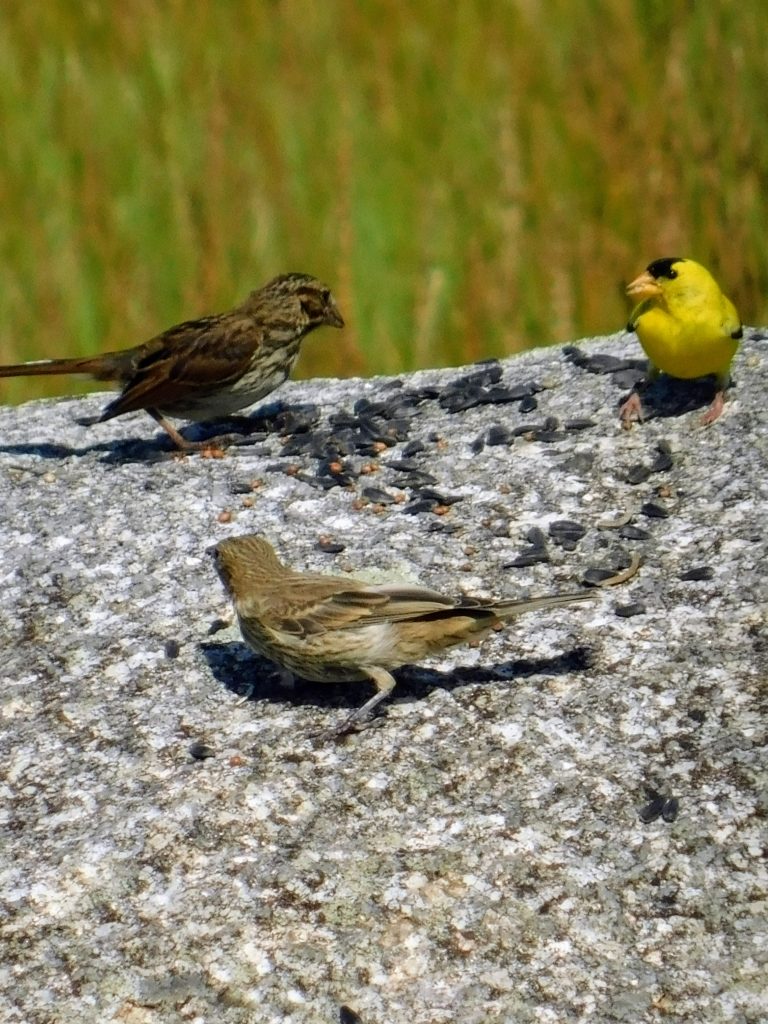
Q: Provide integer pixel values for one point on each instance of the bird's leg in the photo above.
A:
(385, 684)
(214, 445)
(715, 409)
(181, 442)
(718, 402)
(633, 407)
(631, 410)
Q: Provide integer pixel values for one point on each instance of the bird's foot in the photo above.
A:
(631, 410)
(714, 411)
(213, 447)
(351, 724)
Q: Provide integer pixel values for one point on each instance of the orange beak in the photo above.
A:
(644, 287)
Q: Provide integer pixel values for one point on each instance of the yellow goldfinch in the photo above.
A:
(686, 326)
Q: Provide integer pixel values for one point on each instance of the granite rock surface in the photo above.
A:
(567, 823)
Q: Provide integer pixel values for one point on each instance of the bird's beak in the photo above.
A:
(644, 287)
(333, 316)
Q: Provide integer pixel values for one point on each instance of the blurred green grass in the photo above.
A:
(471, 179)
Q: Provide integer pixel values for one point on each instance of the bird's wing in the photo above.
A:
(730, 319)
(183, 360)
(637, 312)
(405, 602)
(308, 605)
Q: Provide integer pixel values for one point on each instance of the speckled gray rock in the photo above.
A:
(172, 852)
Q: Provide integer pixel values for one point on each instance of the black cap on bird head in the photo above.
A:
(663, 267)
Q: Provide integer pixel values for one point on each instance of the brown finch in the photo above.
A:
(333, 629)
(209, 368)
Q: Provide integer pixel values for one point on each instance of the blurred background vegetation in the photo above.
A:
(471, 179)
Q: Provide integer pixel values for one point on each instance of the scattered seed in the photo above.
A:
(531, 556)
(522, 391)
(297, 421)
(414, 508)
(566, 528)
(443, 526)
(614, 524)
(460, 401)
(633, 533)
(365, 405)
(604, 578)
(598, 362)
(535, 537)
(240, 487)
(654, 511)
(217, 625)
(596, 577)
(670, 809)
(171, 649)
(547, 436)
(498, 435)
(652, 810)
(579, 424)
(413, 448)
(403, 465)
(319, 483)
(295, 446)
(698, 574)
(417, 480)
(501, 396)
(427, 392)
(627, 611)
(638, 474)
(200, 751)
(663, 460)
(438, 496)
(329, 546)
(379, 495)
(518, 392)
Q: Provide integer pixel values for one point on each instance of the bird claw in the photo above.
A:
(630, 410)
(715, 410)
(353, 723)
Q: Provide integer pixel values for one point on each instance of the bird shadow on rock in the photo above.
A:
(668, 397)
(120, 451)
(236, 432)
(247, 675)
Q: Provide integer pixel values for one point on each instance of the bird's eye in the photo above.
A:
(672, 274)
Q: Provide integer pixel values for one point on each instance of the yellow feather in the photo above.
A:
(687, 327)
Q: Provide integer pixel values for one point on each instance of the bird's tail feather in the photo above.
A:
(508, 609)
(100, 367)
